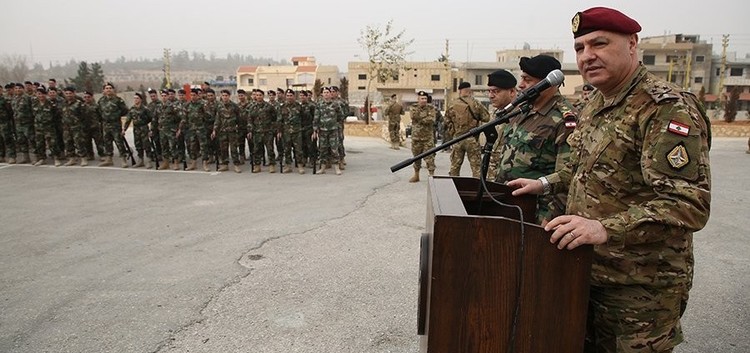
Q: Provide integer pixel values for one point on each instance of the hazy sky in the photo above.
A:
(94, 30)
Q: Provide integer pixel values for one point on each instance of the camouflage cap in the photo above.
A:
(603, 18)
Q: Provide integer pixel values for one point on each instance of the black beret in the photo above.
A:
(139, 95)
(181, 91)
(226, 91)
(334, 88)
(271, 92)
(171, 90)
(422, 94)
(206, 83)
(464, 84)
(28, 83)
(37, 84)
(151, 90)
(603, 18)
(164, 91)
(501, 79)
(88, 93)
(539, 66)
(69, 89)
(51, 88)
(289, 90)
(41, 89)
(109, 84)
(241, 91)
(19, 85)
(280, 90)
(210, 90)
(195, 90)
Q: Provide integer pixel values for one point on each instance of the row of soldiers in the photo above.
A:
(174, 127)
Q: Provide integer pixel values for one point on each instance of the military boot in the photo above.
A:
(2, 159)
(23, 158)
(84, 162)
(272, 168)
(124, 162)
(337, 169)
(415, 177)
(11, 160)
(342, 165)
(192, 164)
(139, 164)
(431, 172)
(164, 165)
(394, 146)
(70, 162)
(176, 165)
(223, 168)
(40, 161)
(148, 164)
(205, 166)
(237, 168)
(106, 162)
(300, 168)
(58, 162)
(323, 168)
(287, 169)
(256, 169)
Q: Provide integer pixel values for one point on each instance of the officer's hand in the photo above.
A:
(526, 186)
(213, 134)
(122, 133)
(249, 135)
(572, 231)
(178, 133)
(314, 136)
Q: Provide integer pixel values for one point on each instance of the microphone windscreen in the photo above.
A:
(555, 77)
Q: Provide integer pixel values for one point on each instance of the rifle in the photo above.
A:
(314, 155)
(128, 150)
(217, 146)
(281, 154)
(154, 147)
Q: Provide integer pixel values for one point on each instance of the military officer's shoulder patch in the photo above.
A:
(662, 93)
(678, 156)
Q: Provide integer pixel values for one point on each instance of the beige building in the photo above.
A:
(432, 77)
(513, 56)
(682, 59)
(300, 75)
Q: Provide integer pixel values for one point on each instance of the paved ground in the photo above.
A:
(112, 260)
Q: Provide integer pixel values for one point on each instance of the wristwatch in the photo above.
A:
(546, 187)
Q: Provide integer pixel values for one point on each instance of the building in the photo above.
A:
(300, 75)
(434, 78)
(736, 76)
(513, 56)
(678, 58)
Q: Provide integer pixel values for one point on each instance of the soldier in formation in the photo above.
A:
(326, 131)
(140, 116)
(393, 112)
(465, 114)
(423, 117)
(225, 129)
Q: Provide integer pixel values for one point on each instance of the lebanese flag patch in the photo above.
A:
(678, 128)
(570, 124)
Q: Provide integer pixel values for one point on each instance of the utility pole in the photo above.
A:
(448, 77)
(722, 71)
(167, 68)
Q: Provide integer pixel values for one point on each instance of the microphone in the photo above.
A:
(554, 78)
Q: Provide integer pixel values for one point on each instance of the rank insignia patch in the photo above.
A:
(678, 157)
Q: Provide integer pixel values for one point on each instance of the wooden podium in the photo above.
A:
(480, 267)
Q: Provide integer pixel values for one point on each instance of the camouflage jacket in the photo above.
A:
(91, 116)
(227, 117)
(535, 144)
(327, 116)
(22, 111)
(423, 122)
(242, 117)
(44, 113)
(261, 117)
(290, 117)
(464, 115)
(154, 107)
(72, 113)
(112, 109)
(195, 116)
(640, 165)
(343, 109)
(140, 116)
(211, 108)
(307, 114)
(393, 110)
(6, 111)
(171, 115)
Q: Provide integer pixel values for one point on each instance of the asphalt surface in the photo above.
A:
(123, 260)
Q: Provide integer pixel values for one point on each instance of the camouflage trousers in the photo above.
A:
(93, 132)
(634, 318)
(46, 137)
(169, 148)
(25, 138)
(261, 140)
(328, 146)
(242, 142)
(342, 151)
(394, 130)
(112, 132)
(74, 140)
(228, 144)
(308, 145)
(141, 141)
(420, 146)
(7, 143)
(197, 140)
(292, 145)
(470, 148)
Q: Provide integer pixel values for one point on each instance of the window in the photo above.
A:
(477, 80)
(700, 58)
(435, 78)
(289, 82)
(699, 80)
(735, 71)
(649, 59)
(718, 72)
(306, 78)
(361, 88)
(395, 77)
(250, 81)
(673, 59)
(362, 76)
(263, 82)
(329, 80)
(455, 84)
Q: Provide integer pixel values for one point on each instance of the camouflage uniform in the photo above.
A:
(422, 134)
(24, 120)
(196, 136)
(154, 108)
(640, 165)
(211, 107)
(393, 113)
(290, 121)
(276, 142)
(242, 142)
(326, 124)
(343, 110)
(533, 145)
(44, 127)
(170, 118)
(73, 129)
(7, 142)
(465, 114)
(112, 109)
(261, 121)
(225, 126)
(307, 114)
(91, 120)
(140, 116)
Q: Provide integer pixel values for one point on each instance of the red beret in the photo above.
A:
(603, 18)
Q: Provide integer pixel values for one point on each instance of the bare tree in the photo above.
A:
(13, 68)
(386, 52)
